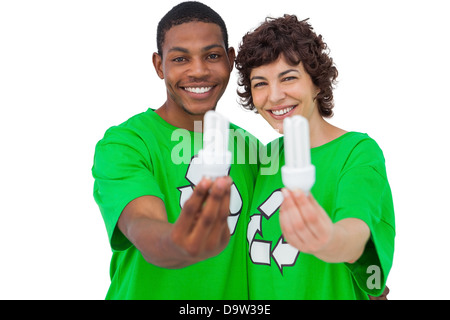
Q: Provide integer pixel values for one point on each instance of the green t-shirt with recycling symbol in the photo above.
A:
(351, 182)
(148, 156)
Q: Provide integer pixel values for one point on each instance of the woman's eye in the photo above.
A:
(289, 78)
(259, 84)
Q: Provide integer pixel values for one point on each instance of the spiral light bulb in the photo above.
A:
(215, 156)
(298, 172)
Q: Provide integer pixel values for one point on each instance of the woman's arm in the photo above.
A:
(307, 227)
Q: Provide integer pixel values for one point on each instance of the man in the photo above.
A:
(164, 246)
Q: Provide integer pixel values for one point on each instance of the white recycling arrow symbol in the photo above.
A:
(284, 254)
(260, 251)
(194, 175)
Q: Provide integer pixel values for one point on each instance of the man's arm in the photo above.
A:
(200, 232)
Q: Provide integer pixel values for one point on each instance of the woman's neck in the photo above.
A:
(322, 132)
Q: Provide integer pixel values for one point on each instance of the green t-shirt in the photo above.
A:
(350, 182)
(147, 156)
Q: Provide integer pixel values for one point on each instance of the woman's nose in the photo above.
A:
(276, 94)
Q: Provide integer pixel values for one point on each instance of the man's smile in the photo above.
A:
(198, 90)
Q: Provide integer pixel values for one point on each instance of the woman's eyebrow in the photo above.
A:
(279, 75)
(287, 71)
(257, 78)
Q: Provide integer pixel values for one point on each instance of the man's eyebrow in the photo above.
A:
(184, 50)
(212, 46)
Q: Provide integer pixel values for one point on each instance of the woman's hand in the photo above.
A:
(307, 227)
(304, 223)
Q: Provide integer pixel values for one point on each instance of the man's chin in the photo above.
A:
(197, 110)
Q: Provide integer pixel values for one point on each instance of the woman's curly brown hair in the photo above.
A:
(297, 41)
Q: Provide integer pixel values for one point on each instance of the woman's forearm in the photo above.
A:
(347, 243)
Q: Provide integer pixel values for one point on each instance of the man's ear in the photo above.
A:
(157, 63)
(231, 57)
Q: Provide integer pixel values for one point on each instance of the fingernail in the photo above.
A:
(205, 182)
(297, 193)
(285, 193)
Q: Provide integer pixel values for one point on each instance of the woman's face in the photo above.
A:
(280, 90)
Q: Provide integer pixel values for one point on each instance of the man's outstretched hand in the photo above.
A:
(201, 230)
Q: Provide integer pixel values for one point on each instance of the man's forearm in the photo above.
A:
(153, 239)
(200, 232)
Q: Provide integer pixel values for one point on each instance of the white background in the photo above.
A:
(71, 69)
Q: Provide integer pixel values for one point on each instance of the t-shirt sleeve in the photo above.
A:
(122, 171)
(364, 193)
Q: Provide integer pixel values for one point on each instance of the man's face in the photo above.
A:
(195, 66)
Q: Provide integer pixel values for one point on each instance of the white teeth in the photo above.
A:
(198, 89)
(282, 111)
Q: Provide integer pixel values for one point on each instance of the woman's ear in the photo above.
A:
(317, 93)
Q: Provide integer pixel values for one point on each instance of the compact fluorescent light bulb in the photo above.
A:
(298, 172)
(215, 157)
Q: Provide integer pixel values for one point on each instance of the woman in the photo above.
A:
(338, 241)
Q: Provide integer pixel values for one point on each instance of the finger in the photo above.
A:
(211, 212)
(225, 210)
(193, 205)
(314, 217)
(225, 213)
(291, 221)
(220, 233)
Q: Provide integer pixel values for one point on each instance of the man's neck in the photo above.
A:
(180, 118)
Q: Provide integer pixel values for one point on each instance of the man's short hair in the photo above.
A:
(189, 11)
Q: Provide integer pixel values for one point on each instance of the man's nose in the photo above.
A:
(199, 68)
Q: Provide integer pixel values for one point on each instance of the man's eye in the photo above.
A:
(213, 56)
(179, 59)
